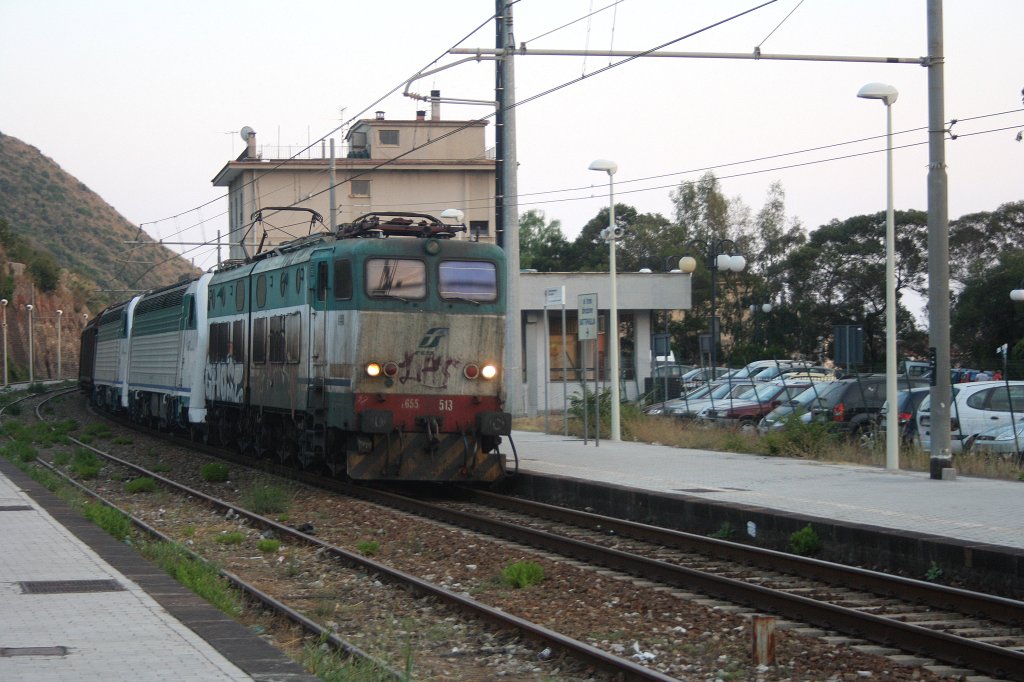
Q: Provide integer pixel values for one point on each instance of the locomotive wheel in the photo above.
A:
(210, 431)
(288, 450)
(334, 457)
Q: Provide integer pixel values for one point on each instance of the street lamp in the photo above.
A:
(60, 374)
(3, 304)
(720, 256)
(31, 375)
(612, 234)
(888, 95)
(765, 308)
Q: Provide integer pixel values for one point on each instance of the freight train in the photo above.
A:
(373, 352)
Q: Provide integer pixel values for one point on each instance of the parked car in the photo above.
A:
(795, 408)
(908, 400)
(701, 375)
(976, 407)
(851, 406)
(692, 394)
(796, 372)
(720, 394)
(750, 408)
(671, 371)
(753, 368)
(1002, 441)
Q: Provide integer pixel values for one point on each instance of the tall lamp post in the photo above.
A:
(3, 304)
(612, 234)
(888, 95)
(765, 308)
(31, 376)
(721, 255)
(60, 374)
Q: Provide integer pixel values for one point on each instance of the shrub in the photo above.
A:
(98, 430)
(264, 498)
(85, 464)
(523, 574)
(198, 576)
(799, 439)
(805, 542)
(368, 547)
(235, 537)
(214, 472)
(268, 545)
(724, 532)
(144, 484)
(109, 519)
(20, 451)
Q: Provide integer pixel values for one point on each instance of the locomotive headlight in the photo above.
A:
(373, 369)
(489, 372)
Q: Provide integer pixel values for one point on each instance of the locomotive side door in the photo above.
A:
(317, 360)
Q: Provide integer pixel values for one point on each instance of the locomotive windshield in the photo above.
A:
(468, 280)
(396, 278)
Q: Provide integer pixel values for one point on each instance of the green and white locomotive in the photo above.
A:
(373, 352)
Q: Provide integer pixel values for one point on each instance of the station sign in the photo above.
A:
(587, 305)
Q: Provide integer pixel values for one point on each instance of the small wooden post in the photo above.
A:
(763, 639)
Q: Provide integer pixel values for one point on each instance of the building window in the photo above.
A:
(389, 138)
(360, 188)
(479, 228)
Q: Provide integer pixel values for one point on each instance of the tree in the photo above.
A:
(977, 240)
(702, 211)
(45, 271)
(541, 246)
(838, 276)
(983, 317)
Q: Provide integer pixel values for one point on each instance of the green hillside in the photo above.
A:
(48, 211)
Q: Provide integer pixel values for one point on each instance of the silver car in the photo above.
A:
(1004, 441)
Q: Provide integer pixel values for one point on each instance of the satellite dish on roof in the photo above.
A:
(245, 132)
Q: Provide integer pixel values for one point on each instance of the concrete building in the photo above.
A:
(640, 295)
(424, 165)
(427, 165)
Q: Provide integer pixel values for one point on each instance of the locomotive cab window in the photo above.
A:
(342, 280)
(396, 278)
(321, 281)
(261, 291)
(467, 280)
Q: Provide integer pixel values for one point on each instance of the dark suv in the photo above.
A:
(852, 406)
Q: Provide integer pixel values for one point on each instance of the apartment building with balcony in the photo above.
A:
(425, 165)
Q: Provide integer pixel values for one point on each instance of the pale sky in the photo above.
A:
(142, 100)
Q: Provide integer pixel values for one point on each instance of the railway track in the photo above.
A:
(777, 583)
(587, 656)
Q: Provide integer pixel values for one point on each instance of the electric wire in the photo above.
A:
(525, 195)
(784, 19)
(491, 115)
(549, 91)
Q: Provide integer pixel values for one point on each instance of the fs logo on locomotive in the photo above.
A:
(432, 339)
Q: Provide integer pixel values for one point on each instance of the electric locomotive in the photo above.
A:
(373, 352)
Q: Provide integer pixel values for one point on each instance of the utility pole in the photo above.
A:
(938, 247)
(506, 208)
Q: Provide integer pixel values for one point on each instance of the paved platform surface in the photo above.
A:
(971, 509)
(116, 626)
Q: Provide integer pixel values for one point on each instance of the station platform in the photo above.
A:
(78, 605)
(973, 511)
